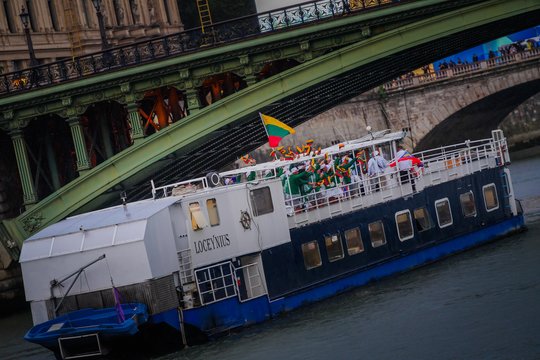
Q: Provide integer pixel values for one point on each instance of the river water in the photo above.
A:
(481, 304)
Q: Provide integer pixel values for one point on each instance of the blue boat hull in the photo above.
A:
(224, 315)
(103, 322)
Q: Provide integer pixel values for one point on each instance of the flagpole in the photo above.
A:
(264, 126)
(267, 135)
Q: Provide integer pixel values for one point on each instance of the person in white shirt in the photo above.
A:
(405, 163)
(376, 167)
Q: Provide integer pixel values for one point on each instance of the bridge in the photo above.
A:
(327, 60)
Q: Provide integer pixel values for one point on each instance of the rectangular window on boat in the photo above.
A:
(353, 238)
(404, 225)
(333, 247)
(261, 201)
(444, 213)
(422, 219)
(376, 233)
(468, 207)
(312, 256)
(198, 221)
(490, 197)
(216, 283)
(213, 215)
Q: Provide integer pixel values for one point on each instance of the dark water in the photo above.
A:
(482, 304)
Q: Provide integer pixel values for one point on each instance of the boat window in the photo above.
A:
(333, 247)
(353, 238)
(198, 221)
(444, 214)
(213, 214)
(422, 219)
(261, 200)
(490, 197)
(376, 233)
(404, 225)
(216, 283)
(467, 204)
(312, 256)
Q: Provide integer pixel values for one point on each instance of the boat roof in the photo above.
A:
(116, 215)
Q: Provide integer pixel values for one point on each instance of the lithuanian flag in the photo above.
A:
(275, 129)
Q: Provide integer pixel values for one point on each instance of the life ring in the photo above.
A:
(245, 220)
(213, 179)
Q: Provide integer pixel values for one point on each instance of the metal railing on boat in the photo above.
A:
(440, 165)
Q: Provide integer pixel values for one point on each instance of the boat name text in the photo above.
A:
(209, 244)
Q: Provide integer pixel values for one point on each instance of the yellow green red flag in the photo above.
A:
(275, 129)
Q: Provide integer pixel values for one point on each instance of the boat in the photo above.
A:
(90, 330)
(235, 248)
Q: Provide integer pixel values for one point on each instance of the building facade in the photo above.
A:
(61, 29)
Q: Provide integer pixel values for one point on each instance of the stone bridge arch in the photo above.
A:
(477, 119)
(465, 106)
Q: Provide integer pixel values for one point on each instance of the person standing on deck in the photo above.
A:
(376, 166)
(343, 171)
(405, 163)
(294, 184)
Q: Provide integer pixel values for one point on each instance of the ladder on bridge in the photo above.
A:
(204, 14)
(73, 28)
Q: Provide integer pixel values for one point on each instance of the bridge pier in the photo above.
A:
(134, 118)
(193, 102)
(29, 192)
(83, 160)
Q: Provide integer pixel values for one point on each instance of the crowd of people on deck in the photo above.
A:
(330, 177)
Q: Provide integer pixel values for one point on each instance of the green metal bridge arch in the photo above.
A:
(217, 134)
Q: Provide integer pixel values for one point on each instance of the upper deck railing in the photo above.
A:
(439, 165)
(184, 42)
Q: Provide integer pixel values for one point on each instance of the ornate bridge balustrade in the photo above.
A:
(185, 42)
(461, 70)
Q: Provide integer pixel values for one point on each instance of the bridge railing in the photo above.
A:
(182, 43)
(462, 69)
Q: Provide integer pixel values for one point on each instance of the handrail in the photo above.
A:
(441, 165)
(460, 70)
(184, 42)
